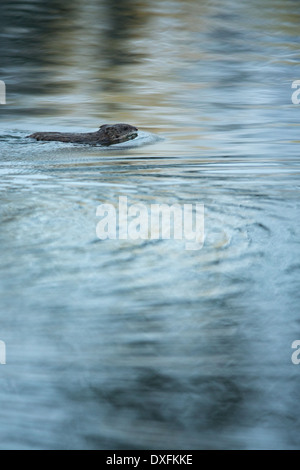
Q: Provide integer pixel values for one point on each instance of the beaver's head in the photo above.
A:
(116, 133)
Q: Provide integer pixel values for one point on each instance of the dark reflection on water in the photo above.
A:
(44, 46)
(120, 344)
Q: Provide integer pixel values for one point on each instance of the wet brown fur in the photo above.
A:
(108, 134)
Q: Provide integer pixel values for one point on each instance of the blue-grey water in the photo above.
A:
(122, 344)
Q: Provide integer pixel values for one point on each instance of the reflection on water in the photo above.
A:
(120, 344)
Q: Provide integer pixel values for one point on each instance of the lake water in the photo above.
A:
(122, 344)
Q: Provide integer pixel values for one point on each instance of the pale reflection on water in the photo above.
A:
(119, 344)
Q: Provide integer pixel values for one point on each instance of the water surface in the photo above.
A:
(119, 344)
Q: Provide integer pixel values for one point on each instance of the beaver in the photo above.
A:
(108, 134)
